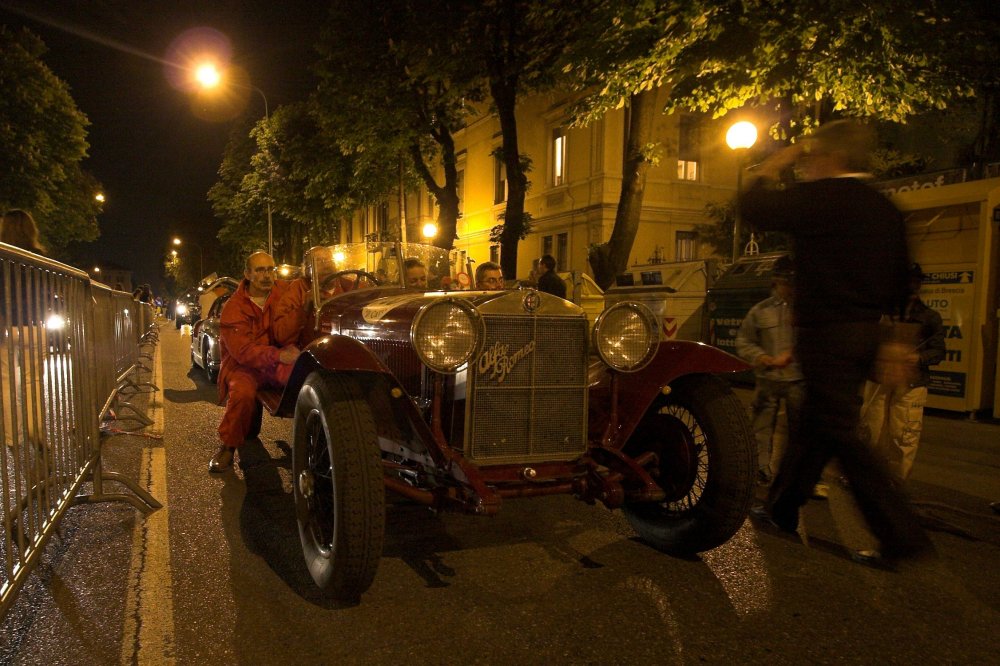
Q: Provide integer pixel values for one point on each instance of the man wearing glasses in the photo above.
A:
(250, 356)
(489, 276)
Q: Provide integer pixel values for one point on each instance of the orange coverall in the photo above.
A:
(250, 354)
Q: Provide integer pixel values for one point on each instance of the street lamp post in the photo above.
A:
(740, 137)
(201, 257)
(208, 76)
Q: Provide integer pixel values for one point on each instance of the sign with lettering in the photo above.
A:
(950, 290)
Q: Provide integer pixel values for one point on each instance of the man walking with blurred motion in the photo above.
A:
(851, 266)
(251, 358)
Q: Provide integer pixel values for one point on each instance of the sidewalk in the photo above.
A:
(955, 453)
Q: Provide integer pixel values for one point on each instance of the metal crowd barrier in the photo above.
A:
(70, 349)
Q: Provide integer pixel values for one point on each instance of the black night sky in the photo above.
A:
(154, 156)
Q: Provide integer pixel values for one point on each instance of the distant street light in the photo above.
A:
(429, 230)
(740, 137)
(97, 269)
(201, 256)
(208, 76)
(99, 197)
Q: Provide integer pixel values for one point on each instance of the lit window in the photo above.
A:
(687, 170)
(688, 153)
(686, 247)
(499, 179)
(558, 157)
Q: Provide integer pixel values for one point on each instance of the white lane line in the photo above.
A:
(149, 609)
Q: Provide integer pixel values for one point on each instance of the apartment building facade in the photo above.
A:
(575, 183)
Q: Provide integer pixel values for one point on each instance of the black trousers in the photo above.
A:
(836, 359)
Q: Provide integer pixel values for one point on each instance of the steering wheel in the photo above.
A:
(330, 282)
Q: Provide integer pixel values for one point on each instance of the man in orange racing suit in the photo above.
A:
(252, 356)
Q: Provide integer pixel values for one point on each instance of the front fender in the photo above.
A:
(338, 353)
(637, 391)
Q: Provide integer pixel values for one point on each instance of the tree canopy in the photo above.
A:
(43, 139)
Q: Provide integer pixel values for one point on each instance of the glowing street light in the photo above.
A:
(99, 197)
(201, 256)
(429, 230)
(740, 136)
(97, 270)
(208, 76)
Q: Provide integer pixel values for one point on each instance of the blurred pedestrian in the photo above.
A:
(20, 359)
(893, 417)
(851, 266)
(766, 340)
(548, 280)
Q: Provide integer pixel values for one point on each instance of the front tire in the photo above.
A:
(337, 485)
(705, 463)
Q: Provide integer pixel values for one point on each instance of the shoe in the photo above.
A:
(820, 491)
(761, 514)
(222, 460)
(870, 558)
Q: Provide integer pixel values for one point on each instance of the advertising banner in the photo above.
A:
(950, 290)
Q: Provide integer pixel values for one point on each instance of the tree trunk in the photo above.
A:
(505, 99)
(609, 259)
(446, 195)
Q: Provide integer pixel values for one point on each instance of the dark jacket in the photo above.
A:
(851, 259)
(551, 283)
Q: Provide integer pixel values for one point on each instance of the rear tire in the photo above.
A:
(337, 485)
(706, 458)
(211, 371)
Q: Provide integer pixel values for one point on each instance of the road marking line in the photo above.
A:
(149, 609)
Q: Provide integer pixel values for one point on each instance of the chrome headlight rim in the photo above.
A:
(476, 323)
(652, 326)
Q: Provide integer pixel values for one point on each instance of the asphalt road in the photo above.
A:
(216, 576)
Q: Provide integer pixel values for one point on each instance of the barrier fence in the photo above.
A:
(71, 353)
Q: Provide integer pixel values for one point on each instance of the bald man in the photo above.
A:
(251, 358)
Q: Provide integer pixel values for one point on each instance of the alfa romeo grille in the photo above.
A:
(527, 392)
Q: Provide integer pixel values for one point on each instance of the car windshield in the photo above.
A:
(338, 268)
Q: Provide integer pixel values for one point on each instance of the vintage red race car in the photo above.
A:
(459, 400)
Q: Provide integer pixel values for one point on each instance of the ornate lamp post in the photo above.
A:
(740, 137)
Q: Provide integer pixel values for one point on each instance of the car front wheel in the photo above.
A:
(704, 462)
(337, 485)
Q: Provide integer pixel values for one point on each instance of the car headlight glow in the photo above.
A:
(447, 334)
(182, 309)
(626, 336)
(55, 322)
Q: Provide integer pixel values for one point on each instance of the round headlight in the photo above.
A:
(182, 309)
(447, 334)
(626, 336)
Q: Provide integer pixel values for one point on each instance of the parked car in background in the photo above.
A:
(463, 400)
(206, 352)
(186, 310)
